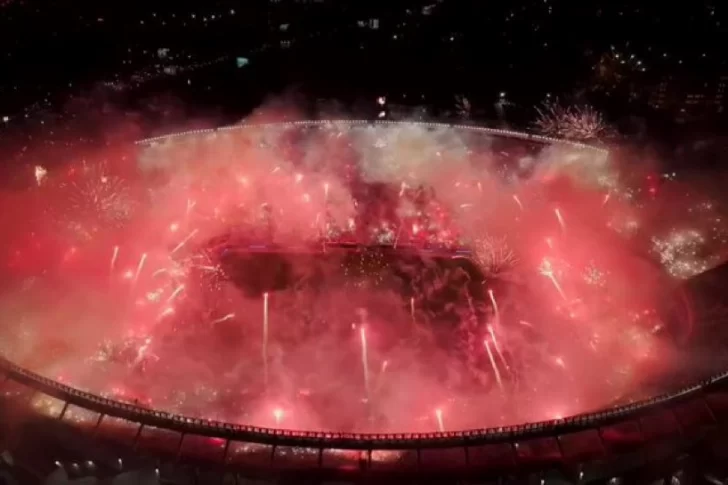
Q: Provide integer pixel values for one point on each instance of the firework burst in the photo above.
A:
(95, 200)
(681, 252)
(494, 256)
(581, 123)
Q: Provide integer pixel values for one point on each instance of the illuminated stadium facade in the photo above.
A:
(52, 428)
(518, 135)
(631, 441)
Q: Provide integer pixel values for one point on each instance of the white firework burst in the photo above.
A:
(582, 123)
(95, 200)
(681, 253)
(494, 256)
(107, 197)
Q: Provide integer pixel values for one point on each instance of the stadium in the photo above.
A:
(479, 307)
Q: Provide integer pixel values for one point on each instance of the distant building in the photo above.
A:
(289, 21)
(404, 112)
(659, 99)
(372, 23)
(689, 99)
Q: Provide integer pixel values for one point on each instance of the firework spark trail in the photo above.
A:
(140, 267)
(265, 338)
(557, 285)
(496, 312)
(114, 257)
(365, 360)
(560, 218)
(518, 202)
(380, 378)
(227, 317)
(184, 241)
(399, 233)
(440, 422)
(167, 312)
(548, 271)
(177, 291)
(497, 347)
(493, 365)
(209, 269)
(412, 309)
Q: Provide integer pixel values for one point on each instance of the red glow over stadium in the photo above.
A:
(339, 276)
